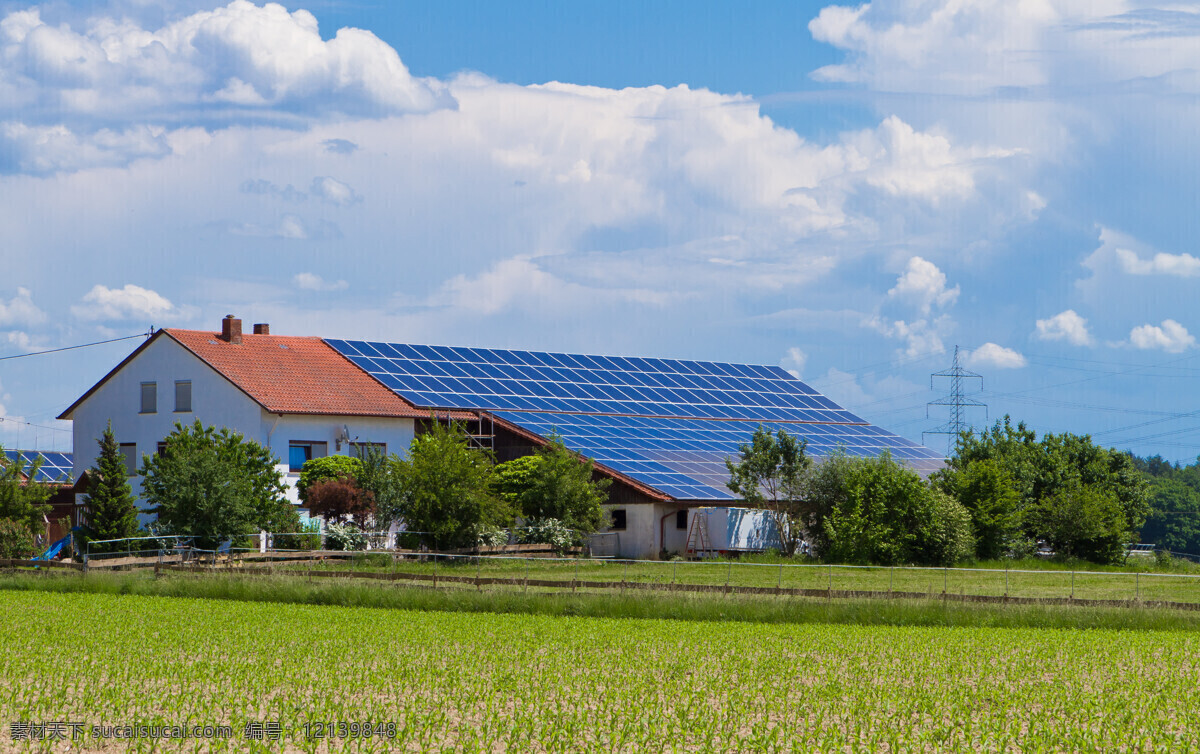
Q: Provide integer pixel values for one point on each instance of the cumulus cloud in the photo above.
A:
(130, 302)
(923, 284)
(332, 191)
(793, 361)
(240, 58)
(20, 310)
(1170, 336)
(1175, 265)
(1067, 326)
(308, 281)
(291, 227)
(994, 355)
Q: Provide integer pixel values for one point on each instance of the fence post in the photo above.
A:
(624, 575)
(1006, 582)
(779, 581)
(1137, 586)
(1072, 585)
(945, 581)
(526, 575)
(478, 565)
(435, 570)
(831, 581)
(728, 574)
(891, 579)
(575, 581)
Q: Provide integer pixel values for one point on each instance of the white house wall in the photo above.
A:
(397, 434)
(215, 401)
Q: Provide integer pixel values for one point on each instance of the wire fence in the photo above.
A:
(262, 555)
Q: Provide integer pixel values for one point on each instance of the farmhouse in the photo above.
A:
(661, 429)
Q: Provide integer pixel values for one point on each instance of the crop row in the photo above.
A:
(481, 682)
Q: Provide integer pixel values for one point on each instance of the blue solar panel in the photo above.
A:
(56, 467)
(485, 379)
(667, 423)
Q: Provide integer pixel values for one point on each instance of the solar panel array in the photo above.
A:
(667, 423)
(56, 467)
(498, 380)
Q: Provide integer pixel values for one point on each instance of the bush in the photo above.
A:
(549, 531)
(344, 537)
(16, 541)
(556, 483)
(340, 499)
(327, 467)
(491, 536)
(308, 538)
(1081, 522)
(873, 510)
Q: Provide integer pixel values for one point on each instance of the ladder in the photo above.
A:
(698, 543)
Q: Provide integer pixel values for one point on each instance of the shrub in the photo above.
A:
(340, 499)
(16, 541)
(327, 467)
(555, 483)
(344, 537)
(549, 531)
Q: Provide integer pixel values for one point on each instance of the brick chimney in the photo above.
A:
(262, 328)
(231, 329)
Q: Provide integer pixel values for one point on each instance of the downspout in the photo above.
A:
(271, 431)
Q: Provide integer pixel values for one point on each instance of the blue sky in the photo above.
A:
(847, 191)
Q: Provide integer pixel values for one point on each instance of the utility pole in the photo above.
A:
(957, 402)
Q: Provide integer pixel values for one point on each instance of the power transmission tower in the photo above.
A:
(957, 402)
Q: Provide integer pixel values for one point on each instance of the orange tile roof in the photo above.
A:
(297, 375)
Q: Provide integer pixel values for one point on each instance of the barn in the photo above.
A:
(661, 429)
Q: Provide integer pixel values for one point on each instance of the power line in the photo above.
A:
(81, 345)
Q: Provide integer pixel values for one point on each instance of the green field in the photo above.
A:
(1095, 583)
(486, 682)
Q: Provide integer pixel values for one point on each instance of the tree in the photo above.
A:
(109, 497)
(317, 470)
(555, 484)
(873, 510)
(987, 491)
(1174, 519)
(215, 485)
(445, 490)
(770, 473)
(22, 504)
(1056, 478)
(339, 499)
(376, 479)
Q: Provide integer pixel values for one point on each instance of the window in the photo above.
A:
(618, 519)
(681, 520)
(149, 397)
(183, 395)
(301, 451)
(162, 448)
(360, 449)
(129, 452)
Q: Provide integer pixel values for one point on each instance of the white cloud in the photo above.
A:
(923, 284)
(20, 310)
(1171, 337)
(240, 58)
(1066, 325)
(333, 191)
(519, 283)
(793, 361)
(307, 281)
(1175, 265)
(922, 337)
(993, 355)
(130, 302)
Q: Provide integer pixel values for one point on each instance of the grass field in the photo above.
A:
(1025, 579)
(486, 682)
